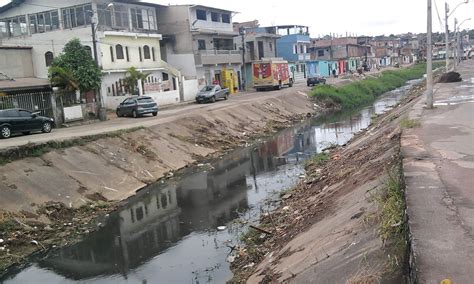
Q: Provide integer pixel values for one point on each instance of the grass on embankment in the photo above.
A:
(365, 91)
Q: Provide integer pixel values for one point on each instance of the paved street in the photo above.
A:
(167, 115)
(439, 172)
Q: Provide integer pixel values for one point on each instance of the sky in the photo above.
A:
(357, 17)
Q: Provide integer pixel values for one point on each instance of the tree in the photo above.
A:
(64, 78)
(132, 76)
(75, 69)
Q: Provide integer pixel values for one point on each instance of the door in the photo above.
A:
(29, 122)
(13, 117)
(128, 106)
(261, 53)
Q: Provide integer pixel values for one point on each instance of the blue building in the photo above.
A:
(293, 46)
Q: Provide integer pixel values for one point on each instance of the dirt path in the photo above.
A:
(332, 226)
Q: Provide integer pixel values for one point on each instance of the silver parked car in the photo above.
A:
(211, 94)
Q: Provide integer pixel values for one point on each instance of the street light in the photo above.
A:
(459, 43)
(102, 110)
(447, 15)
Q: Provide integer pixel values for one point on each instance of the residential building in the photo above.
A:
(259, 43)
(293, 46)
(127, 36)
(342, 55)
(198, 41)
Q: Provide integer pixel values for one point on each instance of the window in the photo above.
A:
(201, 44)
(164, 201)
(11, 113)
(153, 53)
(119, 51)
(76, 16)
(139, 213)
(321, 52)
(165, 76)
(140, 53)
(17, 26)
(201, 15)
(48, 57)
(120, 17)
(126, 53)
(226, 18)
(271, 46)
(302, 49)
(215, 17)
(143, 19)
(112, 54)
(295, 49)
(25, 113)
(297, 68)
(146, 52)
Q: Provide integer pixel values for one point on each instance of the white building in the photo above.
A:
(198, 40)
(127, 36)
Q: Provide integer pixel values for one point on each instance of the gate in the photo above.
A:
(32, 101)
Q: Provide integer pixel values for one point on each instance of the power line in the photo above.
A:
(439, 18)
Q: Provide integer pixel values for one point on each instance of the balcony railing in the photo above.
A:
(211, 57)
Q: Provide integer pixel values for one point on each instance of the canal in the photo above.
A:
(181, 230)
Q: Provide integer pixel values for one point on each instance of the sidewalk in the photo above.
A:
(438, 163)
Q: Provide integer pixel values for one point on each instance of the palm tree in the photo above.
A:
(64, 78)
(61, 77)
(132, 76)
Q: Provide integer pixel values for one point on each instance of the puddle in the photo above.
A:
(168, 233)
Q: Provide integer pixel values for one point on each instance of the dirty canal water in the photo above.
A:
(182, 230)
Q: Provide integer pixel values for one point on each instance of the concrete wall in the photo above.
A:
(133, 43)
(52, 41)
(16, 63)
(190, 88)
(269, 46)
(184, 63)
(161, 98)
(208, 24)
(286, 47)
(173, 22)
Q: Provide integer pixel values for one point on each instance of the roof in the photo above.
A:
(202, 6)
(10, 5)
(23, 84)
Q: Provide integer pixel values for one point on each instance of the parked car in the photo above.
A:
(23, 121)
(315, 80)
(137, 106)
(211, 94)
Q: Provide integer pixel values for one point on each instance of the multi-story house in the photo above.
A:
(259, 43)
(336, 56)
(293, 46)
(198, 41)
(126, 36)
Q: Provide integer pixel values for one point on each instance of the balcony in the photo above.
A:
(212, 57)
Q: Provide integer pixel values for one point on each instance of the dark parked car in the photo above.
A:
(315, 80)
(211, 94)
(137, 106)
(23, 121)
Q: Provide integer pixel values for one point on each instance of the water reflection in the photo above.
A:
(167, 232)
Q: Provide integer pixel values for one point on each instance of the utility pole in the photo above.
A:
(244, 71)
(429, 61)
(455, 48)
(446, 36)
(102, 110)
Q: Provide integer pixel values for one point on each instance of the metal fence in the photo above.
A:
(32, 101)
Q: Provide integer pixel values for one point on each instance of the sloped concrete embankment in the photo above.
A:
(330, 229)
(114, 168)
